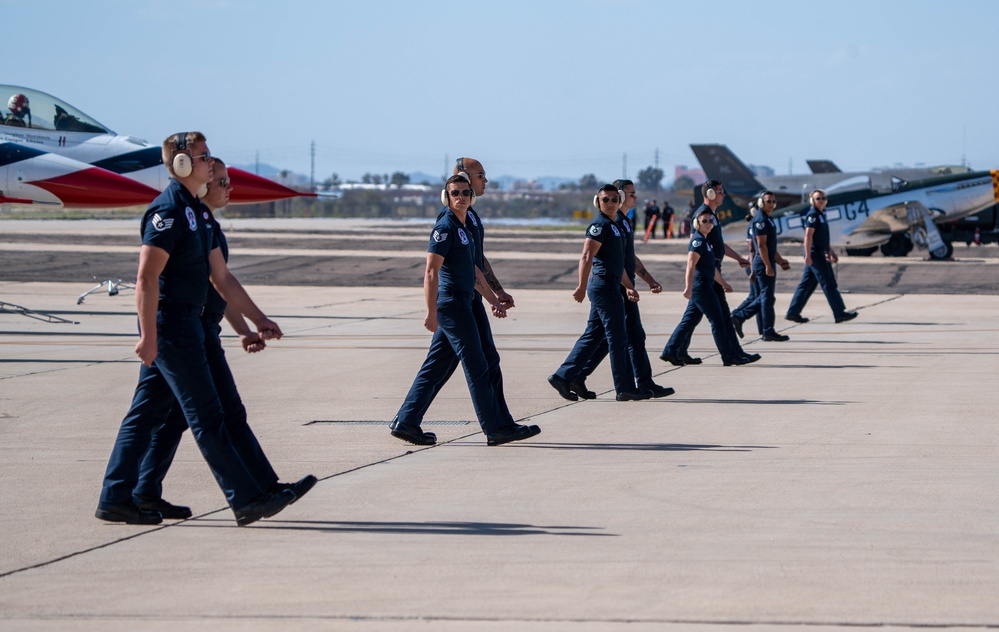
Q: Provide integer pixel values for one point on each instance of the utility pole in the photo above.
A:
(447, 162)
(312, 174)
(657, 169)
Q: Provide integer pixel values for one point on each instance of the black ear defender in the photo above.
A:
(182, 165)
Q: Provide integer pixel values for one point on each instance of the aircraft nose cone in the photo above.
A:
(97, 188)
(249, 188)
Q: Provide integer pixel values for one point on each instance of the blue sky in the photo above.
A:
(540, 88)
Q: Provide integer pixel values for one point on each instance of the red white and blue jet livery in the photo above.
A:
(53, 154)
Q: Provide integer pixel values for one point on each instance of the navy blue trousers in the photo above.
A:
(636, 346)
(747, 308)
(167, 437)
(819, 273)
(440, 365)
(179, 375)
(679, 342)
(456, 319)
(607, 323)
(766, 297)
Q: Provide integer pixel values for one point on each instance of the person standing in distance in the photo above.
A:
(763, 232)
(633, 267)
(819, 257)
(442, 360)
(171, 290)
(450, 279)
(601, 274)
(166, 439)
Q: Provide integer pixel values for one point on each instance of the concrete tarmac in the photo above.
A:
(848, 479)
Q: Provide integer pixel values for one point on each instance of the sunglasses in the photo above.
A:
(818, 198)
(207, 156)
(462, 193)
(707, 220)
(224, 183)
(769, 201)
(614, 199)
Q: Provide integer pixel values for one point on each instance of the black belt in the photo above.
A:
(176, 307)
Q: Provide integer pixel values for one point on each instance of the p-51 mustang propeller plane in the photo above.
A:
(861, 221)
(52, 153)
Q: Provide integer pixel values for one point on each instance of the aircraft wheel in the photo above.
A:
(861, 252)
(898, 245)
(950, 252)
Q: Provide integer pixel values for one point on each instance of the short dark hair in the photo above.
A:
(458, 177)
(710, 184)
(610, 188)
(623, 182)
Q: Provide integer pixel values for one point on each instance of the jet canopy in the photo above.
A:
(24, 107)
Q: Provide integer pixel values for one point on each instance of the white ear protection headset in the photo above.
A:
(182, 165)
(596, 198)
(444, 195)
(711, 194)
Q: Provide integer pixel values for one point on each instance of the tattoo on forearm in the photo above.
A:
(490, 277)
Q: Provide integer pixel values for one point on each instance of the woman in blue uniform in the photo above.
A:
(449, 283)
(601, 275)
(698, 286)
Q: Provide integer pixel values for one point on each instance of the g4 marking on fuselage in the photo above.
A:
(850, 211)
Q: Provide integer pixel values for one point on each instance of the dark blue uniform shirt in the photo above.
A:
(715, 238)
(704, 270)
(608, 263)
(215, 303)
(175, 223)
(451, 240)
(628, 235)
(820, 240)
(763, 225)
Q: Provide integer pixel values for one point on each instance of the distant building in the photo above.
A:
(697, 175)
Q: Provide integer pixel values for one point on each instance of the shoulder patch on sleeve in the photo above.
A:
(161, 224)
(439, 236)
(595, 230)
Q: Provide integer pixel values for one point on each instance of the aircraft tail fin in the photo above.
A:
(823, 166)
(719, 163)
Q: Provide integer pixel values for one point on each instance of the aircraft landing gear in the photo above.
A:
(942, 255)
(861, 252)
(898, 245)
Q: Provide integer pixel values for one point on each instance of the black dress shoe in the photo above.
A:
(128, 513)
(265, 506)
(675, 361)
(656, 390)
(635, 395)
(688, 360)
(165, 509)
(300, 487)
(579, 388)
(516, 432)
(561, 385)
(751, 357)
(737, 323)
(847, 316)
(740, 361)
(412, 434)
(796, 318)
(775, 337)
